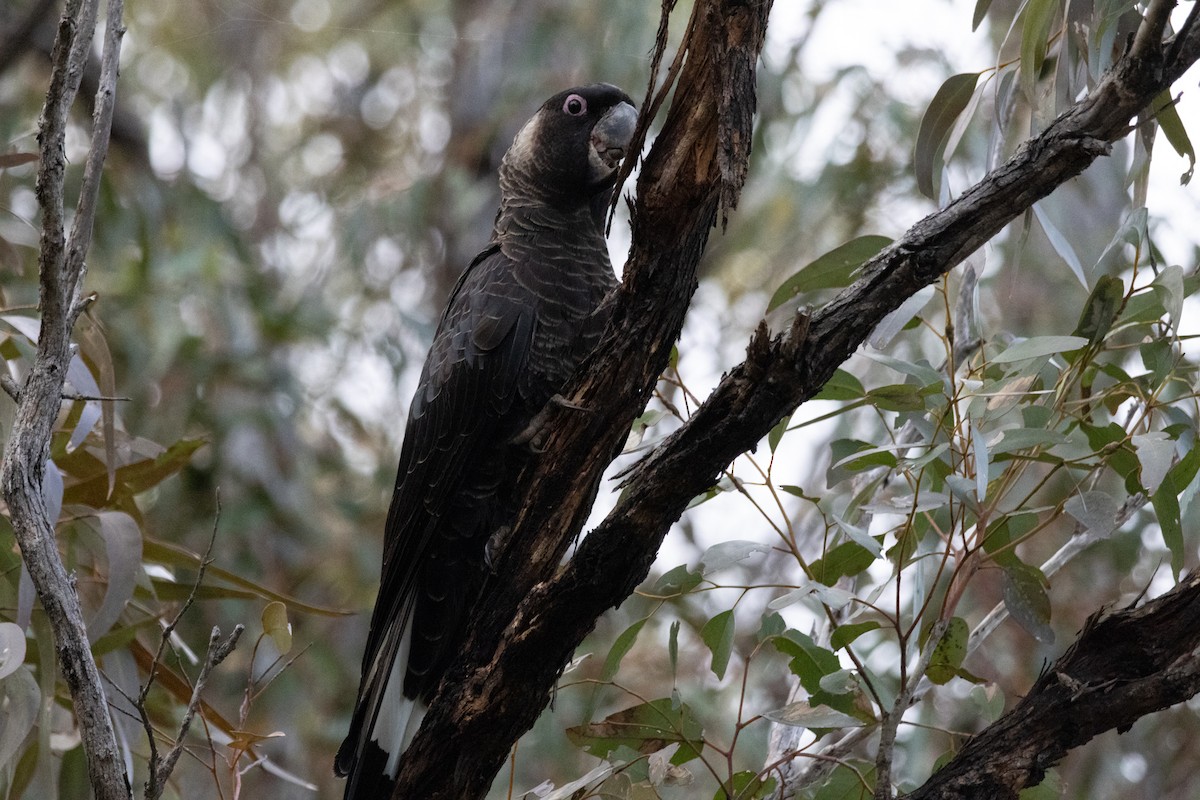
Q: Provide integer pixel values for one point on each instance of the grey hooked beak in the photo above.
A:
(610, 138)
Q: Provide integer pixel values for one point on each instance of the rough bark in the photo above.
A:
(61, 265)
(532, 620)
(1124, 665)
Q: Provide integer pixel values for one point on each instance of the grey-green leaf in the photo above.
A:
(948, 102)
(833, 270)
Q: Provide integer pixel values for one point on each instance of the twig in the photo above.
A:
(27, 449)
(217, 652)
(11, 389)
(892, 719)
(157, 779)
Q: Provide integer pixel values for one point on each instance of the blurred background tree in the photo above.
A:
(294, 186)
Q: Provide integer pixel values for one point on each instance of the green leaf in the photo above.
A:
(20, 697)
(173, 555)
(746, 786)
(809, 662)
(949, 652)
(1155, 452)
(621, 646)
(981, 9)
(1166, 508)
(844, 465)
(1014, 439)
(275, 624)
(717, 634)
(1101, 310)
(804, 715)
(845, 634)
(848, 558)
(772, 625)
(846, 782)
(1111, 440)
(1051, 788)
(129, 480)
(646, 728)
(678, 580)
(842, 386)
(936, 124)
(1177, 135)
(1026, 599)
(1039, 346)
(901, 396)
(833, 270)
(777, 432)
(1035, 35)
(673, 648)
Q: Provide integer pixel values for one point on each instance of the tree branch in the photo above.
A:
(1124, 665)
(28, 446)
(537, 612)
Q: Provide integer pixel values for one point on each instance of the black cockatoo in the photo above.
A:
(520, 319)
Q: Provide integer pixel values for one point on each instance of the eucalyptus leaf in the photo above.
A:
(12, 650)
(123, 551)
(725, 554)
(1095, 511)
(948, 102)
(20, 698)
(1039, 347)
(802, 715)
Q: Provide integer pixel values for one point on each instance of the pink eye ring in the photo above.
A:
(575, 105)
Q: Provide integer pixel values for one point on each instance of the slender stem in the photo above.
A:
(27, 450)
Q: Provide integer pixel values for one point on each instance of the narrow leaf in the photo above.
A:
(1039, 346)
(802, 715)
(833, 270)
(947, 103)
(123, 550)
(170, 554)
(621, 646)
(1061, 245)
(1166, 508)
(981, 9)
(1035, 35)
(20, 698)
(1176, 133)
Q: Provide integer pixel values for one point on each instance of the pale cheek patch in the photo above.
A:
(525, 145)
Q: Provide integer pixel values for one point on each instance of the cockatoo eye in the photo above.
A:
(575, 105)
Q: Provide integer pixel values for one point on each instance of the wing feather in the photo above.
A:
(461, 413)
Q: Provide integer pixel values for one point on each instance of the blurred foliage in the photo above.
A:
(292, 189)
